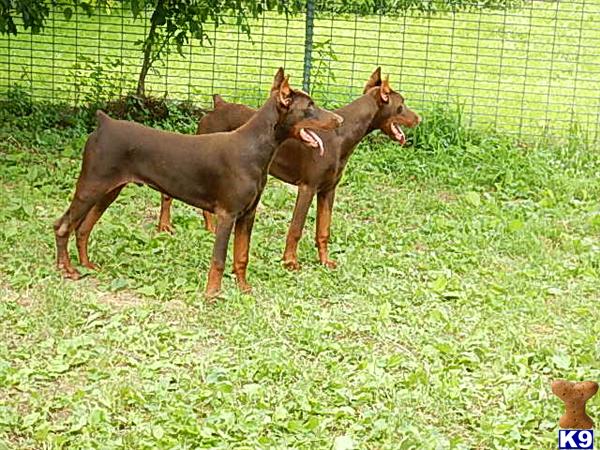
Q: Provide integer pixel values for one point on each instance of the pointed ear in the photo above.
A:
(278, 79)
(218, 101)
(385, 90)
(374, 80)
(285, 93)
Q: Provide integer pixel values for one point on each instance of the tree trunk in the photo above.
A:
(149, 43)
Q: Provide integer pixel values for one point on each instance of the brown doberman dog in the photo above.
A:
(231, 116)
(224, 173)
(379, 108)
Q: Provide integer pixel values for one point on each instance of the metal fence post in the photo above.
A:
(308, 44)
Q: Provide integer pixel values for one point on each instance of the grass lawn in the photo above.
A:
(524, 71)
(468, 280)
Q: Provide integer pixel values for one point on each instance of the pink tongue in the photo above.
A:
(313, 140)
(398, 133)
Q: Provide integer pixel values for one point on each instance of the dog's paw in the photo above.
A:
(329, 263)
(291, 264)
(90, 265)
(165, 228)
(69, 272)
(245, 288)
(211, 295)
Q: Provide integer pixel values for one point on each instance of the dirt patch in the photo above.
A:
(121, 299)
(421, 248)
(24, 299)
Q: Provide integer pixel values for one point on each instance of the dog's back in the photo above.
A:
(224, 117)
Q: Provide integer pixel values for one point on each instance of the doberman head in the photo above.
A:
(299, 117)
(393, 113)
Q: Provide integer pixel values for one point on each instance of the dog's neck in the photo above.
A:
(264, 130)
(358, 122)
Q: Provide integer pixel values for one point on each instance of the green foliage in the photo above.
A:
(19, 113)
(175, 21)
(399, 7)
(496, 161)
(93, 82)
(33, 14)
(186, 18)
(321, 74)
(17, 101)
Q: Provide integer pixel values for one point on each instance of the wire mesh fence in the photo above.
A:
(530, 70)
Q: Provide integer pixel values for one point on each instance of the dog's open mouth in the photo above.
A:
(398, 133)
(311, 138)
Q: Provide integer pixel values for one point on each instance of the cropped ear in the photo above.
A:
(278, 79)
(374, 80)
(285, 93)
(218, 101)
(385, 90)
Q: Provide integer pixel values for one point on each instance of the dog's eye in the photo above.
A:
(400, 108)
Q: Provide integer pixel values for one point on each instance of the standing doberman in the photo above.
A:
(224, 173)
(379, 108)
(232, 116)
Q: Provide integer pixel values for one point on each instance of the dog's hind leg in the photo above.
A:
(63, 228)
(84, 228)
(324, 210)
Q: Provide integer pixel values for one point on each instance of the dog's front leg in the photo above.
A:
(241, 249)
(303, 201)
(217, 265)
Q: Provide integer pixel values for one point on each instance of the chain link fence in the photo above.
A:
(531, 70)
